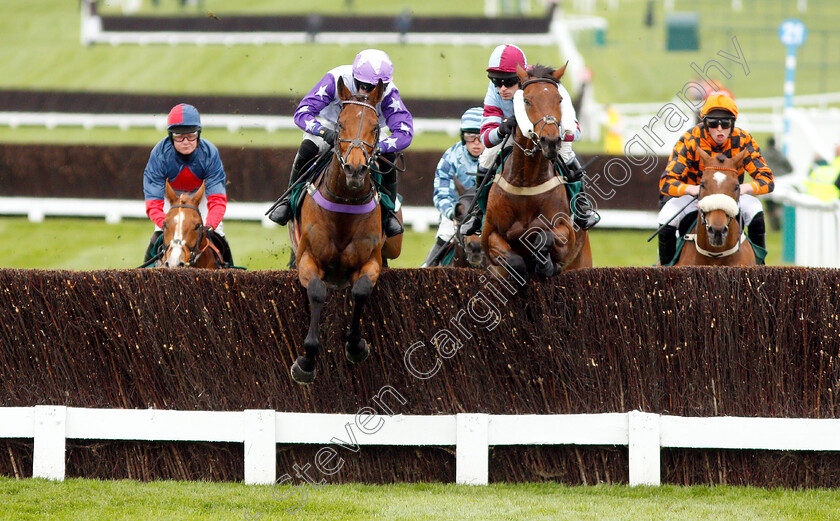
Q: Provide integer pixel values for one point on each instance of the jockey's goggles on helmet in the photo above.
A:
(367, 87)
(505, 82)
(190, 136)
(723, 123)
(469, 137)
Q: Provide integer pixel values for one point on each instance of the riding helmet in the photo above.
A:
(183, 119)
(719, 102)
(504, 59)
(372, 65)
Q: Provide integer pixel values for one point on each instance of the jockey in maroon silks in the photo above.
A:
(186, 160)
(369, 67)
(499, 122)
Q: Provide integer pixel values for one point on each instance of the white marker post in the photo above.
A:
(792, 33)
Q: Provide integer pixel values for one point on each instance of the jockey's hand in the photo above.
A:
(328, 135)
(692, 190)
(747, 188)
(208, 229)
(507, 126)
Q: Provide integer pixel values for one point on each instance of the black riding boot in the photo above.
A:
(282, 211)
(667, 244)
(585, 217)
(756, 230)
(473, 224)
(221, 243)
(431, 259)
(150, 248)
(391, 224)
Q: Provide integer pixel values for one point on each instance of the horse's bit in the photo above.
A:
(542, 122)
(180, 242)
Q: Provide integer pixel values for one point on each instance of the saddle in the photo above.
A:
(316, 173)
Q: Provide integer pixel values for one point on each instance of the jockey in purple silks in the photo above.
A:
(369, 67)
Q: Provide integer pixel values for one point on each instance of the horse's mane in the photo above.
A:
(541, 71)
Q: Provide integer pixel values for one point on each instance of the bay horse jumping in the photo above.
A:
(529, 224)
(718, 239)
(185, 241)
(339, 240)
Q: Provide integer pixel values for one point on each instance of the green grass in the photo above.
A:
(90, 500)
(92, 244)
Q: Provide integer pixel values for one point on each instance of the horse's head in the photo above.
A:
(358, 133)
(183, 229)
(719, 194)
(473, 253)
(537, 108)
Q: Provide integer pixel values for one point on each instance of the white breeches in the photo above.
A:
(748, 205)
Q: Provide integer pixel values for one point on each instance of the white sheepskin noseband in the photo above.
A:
(723, 202)
(522, 119)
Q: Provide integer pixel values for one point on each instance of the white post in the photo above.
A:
(644, 448)
(260, 447)
(472, 449)
(49, 442)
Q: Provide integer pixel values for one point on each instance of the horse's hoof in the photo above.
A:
(546, 270)
(360, 354)
(300, 376)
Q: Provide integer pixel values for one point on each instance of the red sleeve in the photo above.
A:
(154, 209)
(216, 206)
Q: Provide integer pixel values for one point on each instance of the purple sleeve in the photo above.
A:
(399, 122)
(313, 103)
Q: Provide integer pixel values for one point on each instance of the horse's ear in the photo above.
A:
(459, 186)
(170, 193)
(705, 158)
(561, 71)
(739, 159)
(196, 198)
(521, 72)
(343, 91)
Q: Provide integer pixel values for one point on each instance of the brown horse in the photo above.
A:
(185, 240)
(529, 225)
(718, 238)
(339, 239)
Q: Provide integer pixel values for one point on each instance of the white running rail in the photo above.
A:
(472, 435)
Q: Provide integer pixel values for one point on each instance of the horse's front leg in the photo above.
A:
(499, 252)
(303, 370)
(356, 348)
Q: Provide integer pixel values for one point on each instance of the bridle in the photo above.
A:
(195, 253)
(541, 123)
(700, 196)
(358, 142)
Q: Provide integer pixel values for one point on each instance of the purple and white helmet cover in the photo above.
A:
(372, 65)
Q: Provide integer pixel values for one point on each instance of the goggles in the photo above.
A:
(505, 82)
(180, 138)
(723, 123)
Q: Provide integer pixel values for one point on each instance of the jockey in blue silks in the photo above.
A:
(186, 160)
(369, 68)
(459, 162)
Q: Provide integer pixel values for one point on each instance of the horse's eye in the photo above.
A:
(527, 102)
